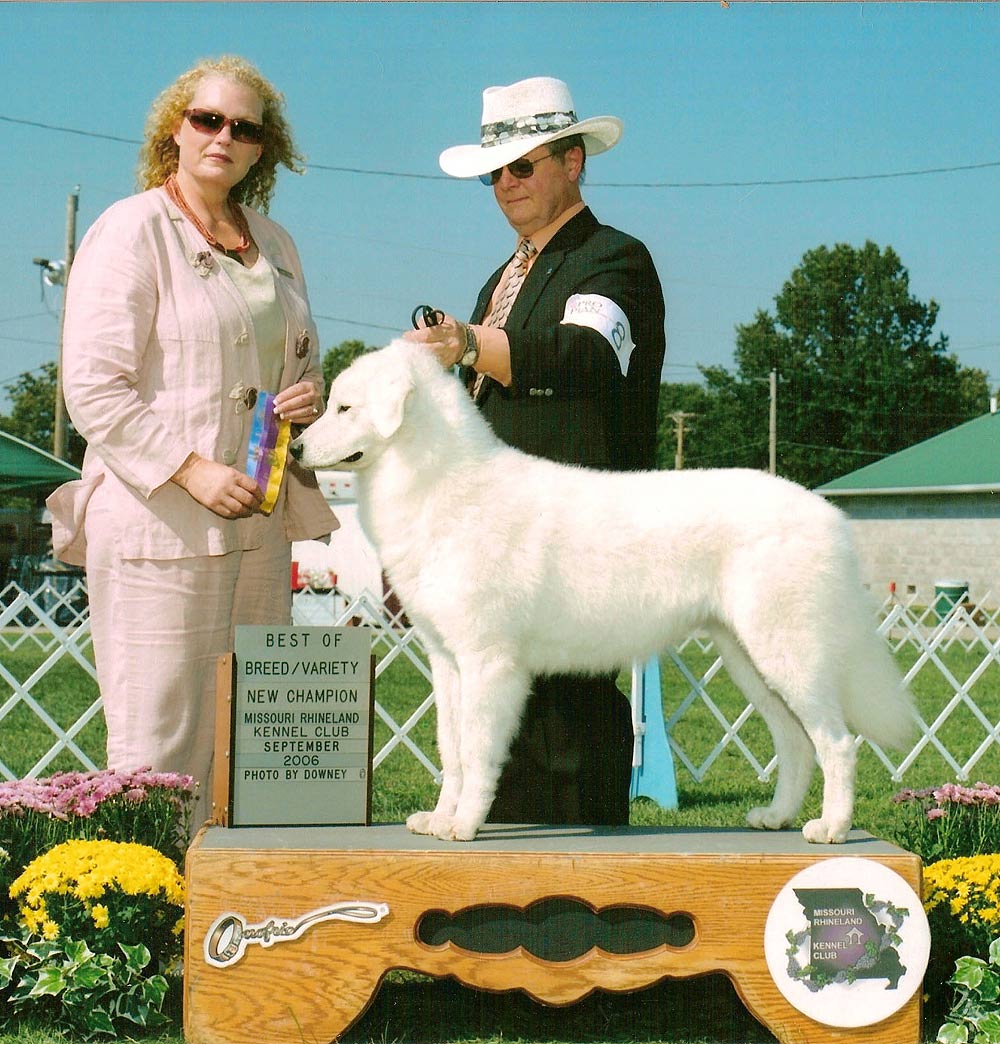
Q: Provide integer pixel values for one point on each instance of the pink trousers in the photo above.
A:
(159, 627)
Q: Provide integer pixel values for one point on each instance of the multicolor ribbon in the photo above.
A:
(268, 450)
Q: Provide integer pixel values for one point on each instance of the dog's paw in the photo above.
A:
(420, 823)
(765, 818)
(463, 833)
(818, 832)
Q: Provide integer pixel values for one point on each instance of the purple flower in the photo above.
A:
(68, 794)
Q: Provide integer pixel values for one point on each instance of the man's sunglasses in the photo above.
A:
(208, 122)
(520, 168)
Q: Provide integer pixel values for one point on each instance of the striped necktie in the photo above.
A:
(510, 285)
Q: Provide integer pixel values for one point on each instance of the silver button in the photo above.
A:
(229, 457)
(243, 338)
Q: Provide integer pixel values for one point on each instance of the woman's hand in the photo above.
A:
(222, 489)
(300, 403)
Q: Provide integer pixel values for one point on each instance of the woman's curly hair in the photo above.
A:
(159, 153)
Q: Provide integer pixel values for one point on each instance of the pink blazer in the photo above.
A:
(158, 354)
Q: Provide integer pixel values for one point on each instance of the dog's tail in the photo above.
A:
(876, 702)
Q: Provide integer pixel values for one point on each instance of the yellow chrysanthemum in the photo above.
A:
(91, 870)
(968, 886)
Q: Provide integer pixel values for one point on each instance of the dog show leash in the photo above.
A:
(435, 317)
(430, 316)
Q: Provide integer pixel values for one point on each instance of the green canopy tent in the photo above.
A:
(28, 471)
(26, 467)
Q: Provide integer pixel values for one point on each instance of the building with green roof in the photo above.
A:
(930, 514)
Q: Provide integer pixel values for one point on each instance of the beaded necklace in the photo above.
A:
(239, 219)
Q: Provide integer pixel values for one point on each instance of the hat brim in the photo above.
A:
(600, 133)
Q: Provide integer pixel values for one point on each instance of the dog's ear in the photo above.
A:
(387, 402)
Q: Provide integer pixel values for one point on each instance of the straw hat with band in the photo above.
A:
(519, 118)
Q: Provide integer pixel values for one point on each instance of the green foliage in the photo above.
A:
(338, 358)
(975, 1013)
(685, 1011)
(696, 401)
(69, 987)
(144, 808)
(861, 373)
(104, 893)
(949, 821)
(32, 415)
(962, 900)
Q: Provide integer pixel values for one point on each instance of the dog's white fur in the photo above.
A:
(511, 566)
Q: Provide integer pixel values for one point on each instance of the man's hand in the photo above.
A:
(447, 340)
(223, 490)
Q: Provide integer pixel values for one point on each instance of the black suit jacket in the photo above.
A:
(569, 399)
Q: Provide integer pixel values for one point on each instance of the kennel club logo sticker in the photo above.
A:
(847, 942)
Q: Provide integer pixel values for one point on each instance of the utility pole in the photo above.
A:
(772, 426)
(679, 418)
(59, 424)
(772, 420)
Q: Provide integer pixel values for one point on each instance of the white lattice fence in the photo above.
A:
(953, 664)
(55, 624)
(52, 625)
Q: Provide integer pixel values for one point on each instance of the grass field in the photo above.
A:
(410, 1008)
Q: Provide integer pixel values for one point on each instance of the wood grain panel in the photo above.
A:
(316, 986)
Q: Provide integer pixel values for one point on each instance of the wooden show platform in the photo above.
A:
(289, 931)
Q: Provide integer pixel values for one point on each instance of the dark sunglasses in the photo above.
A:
(520, 168)
(208, 122)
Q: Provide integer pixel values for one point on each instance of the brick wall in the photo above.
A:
(920, 541)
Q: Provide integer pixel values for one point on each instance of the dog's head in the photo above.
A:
(364, 411)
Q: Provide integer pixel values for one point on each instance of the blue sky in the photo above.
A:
(750, 93)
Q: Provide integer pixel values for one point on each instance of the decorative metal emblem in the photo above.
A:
(229, 935)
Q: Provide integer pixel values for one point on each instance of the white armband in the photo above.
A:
(604, 316)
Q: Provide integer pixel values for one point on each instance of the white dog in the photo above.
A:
(510, 566)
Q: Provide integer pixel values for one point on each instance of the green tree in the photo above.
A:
(32, 415)
(340, 356)
(716, 432)
(862, 373)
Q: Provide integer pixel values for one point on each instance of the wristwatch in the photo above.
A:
(470, 356)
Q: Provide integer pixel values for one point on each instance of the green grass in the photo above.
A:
(412, 1008)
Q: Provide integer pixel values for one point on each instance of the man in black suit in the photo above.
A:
(563, 355)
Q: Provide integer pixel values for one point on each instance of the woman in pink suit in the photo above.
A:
(184, 307)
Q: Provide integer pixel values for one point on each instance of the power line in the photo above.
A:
(355, 322)
(760, 183)
(26, 340)
(835, 449)
(6, 383)
(70, 130)
(17, 318)
(756, 183)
